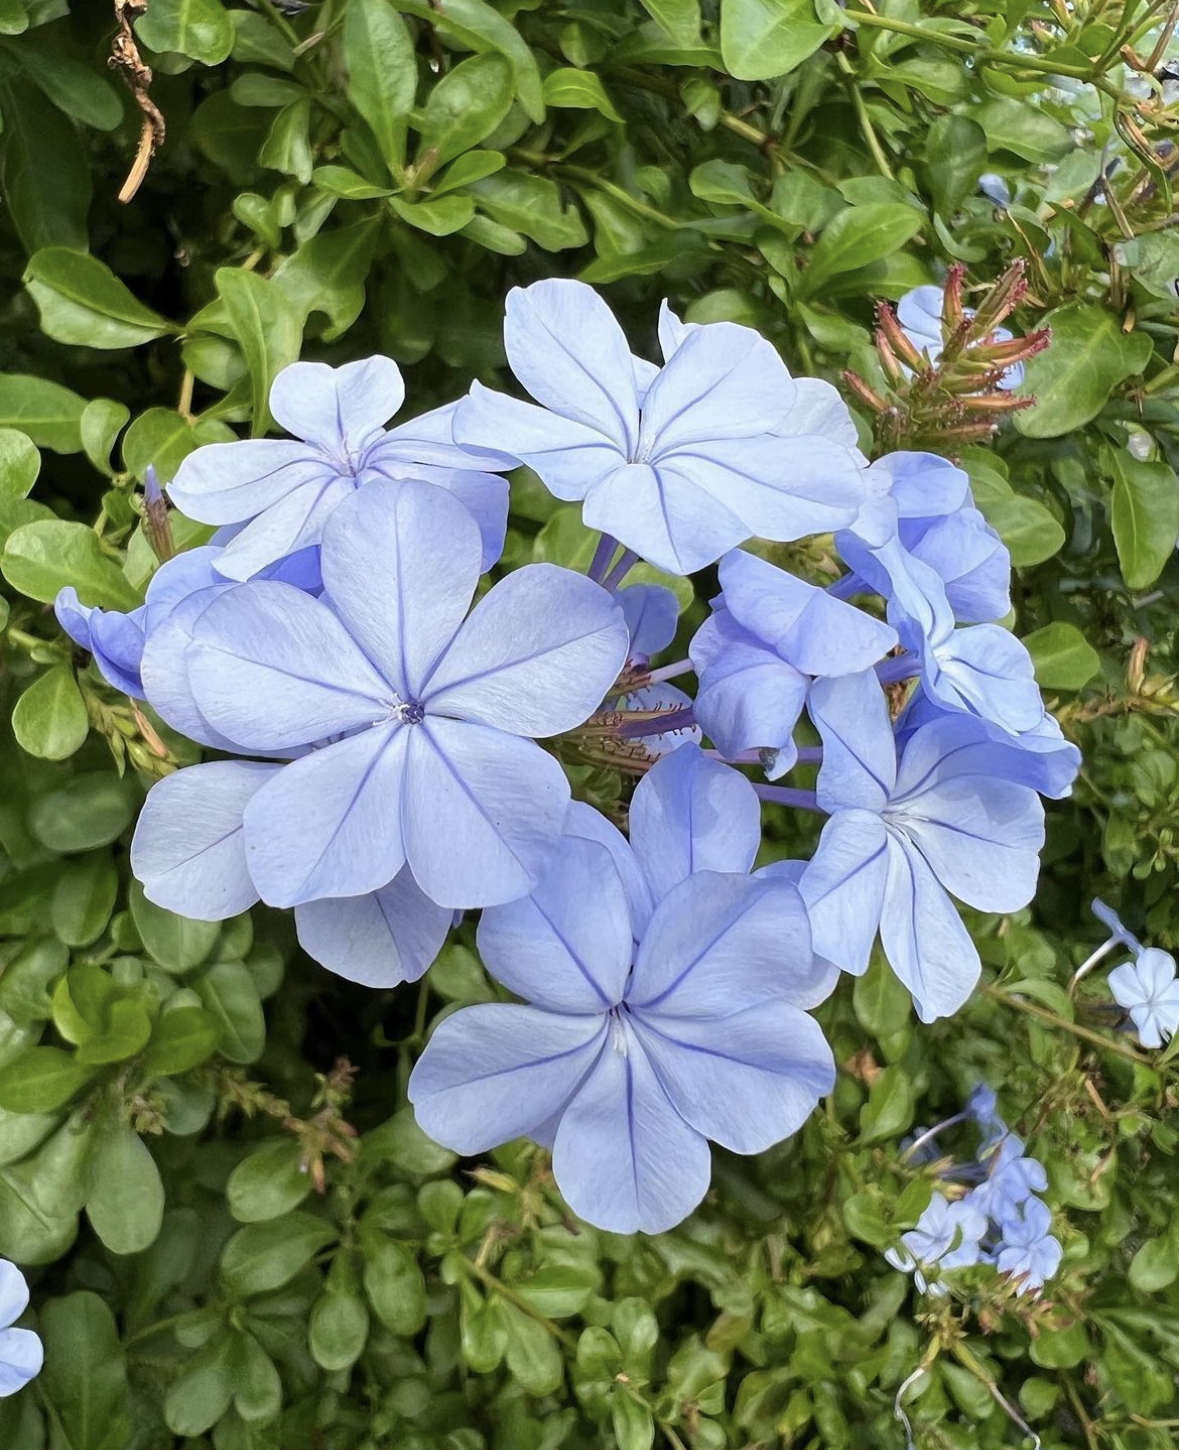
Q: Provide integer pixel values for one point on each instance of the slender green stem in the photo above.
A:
(1044, 1015)
(591, 178)
(497, 1286)
(867, 129)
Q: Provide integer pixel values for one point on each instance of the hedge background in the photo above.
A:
(235, 1233)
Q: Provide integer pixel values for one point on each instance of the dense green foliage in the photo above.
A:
(235, 1233)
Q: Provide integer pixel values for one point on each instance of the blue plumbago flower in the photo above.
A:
(652, 613)
(1119, 935)
(995, 188)
(1012, 1178)
(920, 315)
(189, 852)
(906, 489)
(281, 492)
(414, 729)
(983, 1107)
(655, 1018)
(1026, 1249)
(1148, 989)
(947, 1236)
(947, 816)
(21, 1354)
(679, 463)
(770, 633)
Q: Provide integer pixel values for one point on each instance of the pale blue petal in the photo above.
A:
(569, 456)
(497, 1071)
(652, 613)
(270, 667)
(429, 439)
(400, 563)
(74, 616)
(624, 1159)
(668, 519)
(859, 754)
(174, 581)
(920, 315)
(386, 937)
(294, 523)
(188, 849)
(536, 657)
(117, 644)
(986, 670)
(227, 483)
(925, 485)
(970, 559)
(748, 698)
(14, 1294)
(818, 412)
(843, 888)
(718, 943)
(723, 381)
(805, 626)
(329, 823)
(482, 814)
(923, 937)
(485, 498)
(691, 814)
(591, 825)
(824, 975)
(164, 669)
(567, 946)
(21, 1358)
(338, 409)
(778, 492)
(746, 1081)
(672, 332)
(567, 349)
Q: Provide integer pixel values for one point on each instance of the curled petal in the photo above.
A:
(386, 937)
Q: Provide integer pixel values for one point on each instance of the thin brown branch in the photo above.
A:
(125, 58)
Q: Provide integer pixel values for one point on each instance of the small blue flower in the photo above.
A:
(1026, 1249)
(1149, 990)
(946, 817)
(21, 1354)
(947, 1236)
(413, 729)
(659, 1013)
(281, 492)
(679, 463)
(1011, 1179)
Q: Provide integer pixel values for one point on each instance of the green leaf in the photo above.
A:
(340, 181)
(382, 74)
(268, 1183)
(955, 157)
(41, 1080)
(533, 1356)
(680, 18)
(85, 1374)
(582, 90)
(20, 463)
(761, 39)
(197, 28)
(181, 1039)
(1145, 516)
(265, 1256)
(631, 1418)
(230, 994)
(1072, 379)
(125, 1204)
(81, 301)
(338, 1330)
(532, 205)
(889, 1109)
(268, 329)
(165, 438)
(88, 811)
(201, 1393)
(1156, 1265)
(100, 425)
(558, 1290)
(477, 26)
(1023, 128)
(394, 1284)
(41, 558)
(76, 89)
(84, 899)
(47, 181)
(328, 273)
(177, 943)
(50, 414)
(856, 237)
(441, 218)
(50, 719)
(287, 147)
(464, 107)
(1063, 657)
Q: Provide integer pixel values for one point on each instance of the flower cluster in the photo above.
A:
(21, 1352)
(1000, 1220)
(1147, 987)
(378, 760)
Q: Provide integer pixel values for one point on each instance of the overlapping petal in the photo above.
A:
(749, 698)
(337, 409)
(226, 483)
(859, 754)
(379, 939)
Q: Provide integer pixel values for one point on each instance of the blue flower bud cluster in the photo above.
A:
(377, 758)
(1001, 1220)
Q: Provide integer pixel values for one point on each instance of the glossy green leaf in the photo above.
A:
(1073, 378)
(84, 899)
(1063, 657)
(855, 237)
(265, 1256)
(197, 28)
(85, 1374)
(125, 1204)
(268, 1183)
(50, 414)
(463, 108)
(20, 463)
(268, 329)
(40, 1080)
(182, 1038)
(382, 74)
(1145, 517)
(41, 558)
(50, 718)
(761, 39)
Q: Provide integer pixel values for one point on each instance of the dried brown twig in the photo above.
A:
(125, 58)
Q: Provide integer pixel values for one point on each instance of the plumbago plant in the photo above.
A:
(588, 606)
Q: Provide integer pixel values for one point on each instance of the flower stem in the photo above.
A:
(788, 795)
(621, 570)
(667, 672)
(603, 554)
(1043, 1015)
